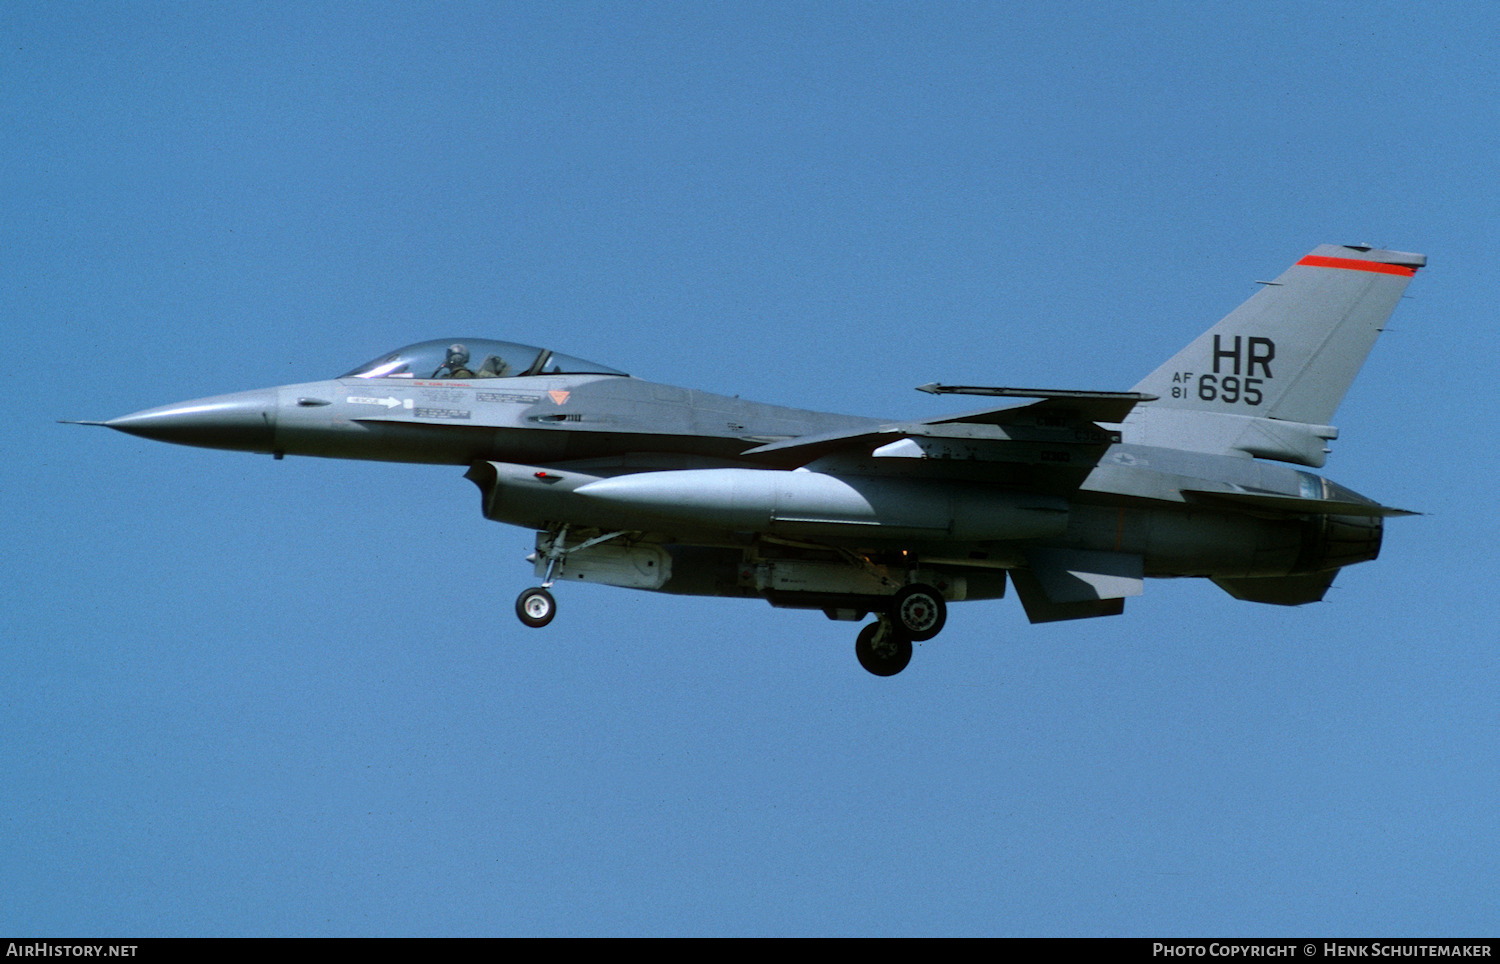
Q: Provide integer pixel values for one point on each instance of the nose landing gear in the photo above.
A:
(535, 607)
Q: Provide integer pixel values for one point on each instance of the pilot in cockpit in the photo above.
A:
(457, 364)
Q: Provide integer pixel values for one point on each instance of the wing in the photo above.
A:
(1049, 445)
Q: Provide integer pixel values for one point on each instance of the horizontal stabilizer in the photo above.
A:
(1292, 505)
(1280, 590)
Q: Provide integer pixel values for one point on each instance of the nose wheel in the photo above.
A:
(536, 607)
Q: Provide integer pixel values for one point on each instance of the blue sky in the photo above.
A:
(243, 696)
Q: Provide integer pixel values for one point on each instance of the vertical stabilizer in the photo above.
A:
(1289, 354)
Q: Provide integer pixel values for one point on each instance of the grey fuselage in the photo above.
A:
(542, 437)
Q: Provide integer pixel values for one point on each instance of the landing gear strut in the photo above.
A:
(916, 614)
(882, 648)
(536, 607)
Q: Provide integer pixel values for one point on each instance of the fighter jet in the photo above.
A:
(1073, 497)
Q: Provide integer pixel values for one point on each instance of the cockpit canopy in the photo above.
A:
(474, 358)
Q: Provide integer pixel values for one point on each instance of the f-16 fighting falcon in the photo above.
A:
(1073, 497)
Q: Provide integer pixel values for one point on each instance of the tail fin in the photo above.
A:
(1287, 355)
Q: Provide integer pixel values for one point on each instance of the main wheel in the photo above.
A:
(920, 611)
(536, 607)
(887, 657)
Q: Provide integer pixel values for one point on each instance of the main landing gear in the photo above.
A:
(917, 614)
(882, 649)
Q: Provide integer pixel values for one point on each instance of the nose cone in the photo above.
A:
(245, 421)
